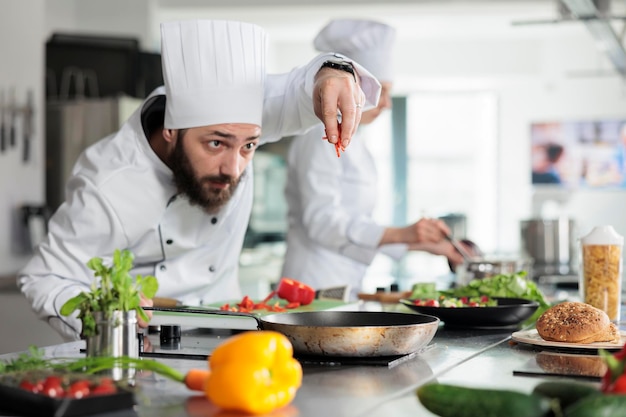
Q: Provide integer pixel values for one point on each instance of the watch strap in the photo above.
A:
(342, 66)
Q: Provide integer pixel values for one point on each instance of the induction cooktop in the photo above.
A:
(198, 344)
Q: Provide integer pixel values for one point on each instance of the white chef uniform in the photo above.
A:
(121, 195)
(332, 238)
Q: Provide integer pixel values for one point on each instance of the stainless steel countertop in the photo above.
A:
(482, 358)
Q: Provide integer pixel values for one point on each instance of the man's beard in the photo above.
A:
(198, 190)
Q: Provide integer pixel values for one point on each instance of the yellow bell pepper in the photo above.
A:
(254, 372)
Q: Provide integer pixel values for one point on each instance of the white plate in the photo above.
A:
(531, 337)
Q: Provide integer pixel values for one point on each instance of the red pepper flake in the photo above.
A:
(338, 148)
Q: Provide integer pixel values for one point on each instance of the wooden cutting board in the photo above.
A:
(385, 297)
(316, 305)
(202, 317)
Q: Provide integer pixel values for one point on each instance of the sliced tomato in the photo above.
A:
(295, 292)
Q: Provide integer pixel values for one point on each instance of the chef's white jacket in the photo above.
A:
(332, 237)
(122, 196)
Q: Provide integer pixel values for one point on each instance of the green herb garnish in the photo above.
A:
(34, 360)
(25, 361)
(115, 290)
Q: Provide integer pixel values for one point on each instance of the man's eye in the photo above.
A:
(250, 146)
(214, 144)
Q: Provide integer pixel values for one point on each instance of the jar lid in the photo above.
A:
(603, 235)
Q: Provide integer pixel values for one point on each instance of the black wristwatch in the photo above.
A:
(342, 66)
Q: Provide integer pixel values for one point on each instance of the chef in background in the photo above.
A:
(174, 184)
(332, 238)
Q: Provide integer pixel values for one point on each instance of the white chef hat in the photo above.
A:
(214, 72)
(368, 42)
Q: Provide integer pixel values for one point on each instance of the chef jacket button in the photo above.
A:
(211, 268)
(169, 241)
(163, 268)
(214, 220)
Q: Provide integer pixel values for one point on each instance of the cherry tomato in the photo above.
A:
(104, 389)
(431, 303)
(78, 389)
(35, 387)
(52, 387)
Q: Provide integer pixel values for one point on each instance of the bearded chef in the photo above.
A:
(174, 184)
(332, 237)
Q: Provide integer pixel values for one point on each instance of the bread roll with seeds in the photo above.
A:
(575, 322)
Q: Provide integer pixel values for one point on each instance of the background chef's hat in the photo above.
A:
(214, 72)
(367, 42)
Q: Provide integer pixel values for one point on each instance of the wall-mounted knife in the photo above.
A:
(27, 128)
(3, 137)
(12, 115)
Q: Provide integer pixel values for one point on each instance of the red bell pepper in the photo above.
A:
(614, 380)
(295, 292)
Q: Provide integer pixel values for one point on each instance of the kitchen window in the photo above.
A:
(451, 149)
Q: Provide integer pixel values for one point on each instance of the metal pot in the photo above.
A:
(490, 266)
(350, 333)
(550, 243)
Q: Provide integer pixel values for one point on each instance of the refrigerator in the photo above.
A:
(73, 125)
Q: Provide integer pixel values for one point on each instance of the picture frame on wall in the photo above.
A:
(579, 154)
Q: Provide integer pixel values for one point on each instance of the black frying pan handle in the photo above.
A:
(215, 312)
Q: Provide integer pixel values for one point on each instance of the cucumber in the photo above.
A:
(455, 401)
(605, 405)
(567, 393)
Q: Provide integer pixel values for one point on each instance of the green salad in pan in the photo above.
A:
(516, 285)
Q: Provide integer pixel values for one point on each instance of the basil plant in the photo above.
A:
(113, 289)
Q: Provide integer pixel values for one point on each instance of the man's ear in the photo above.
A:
(170, 135)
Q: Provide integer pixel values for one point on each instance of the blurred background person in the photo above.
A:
(545, 169)
(332, 237)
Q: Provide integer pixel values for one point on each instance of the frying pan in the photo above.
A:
(349, 333)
